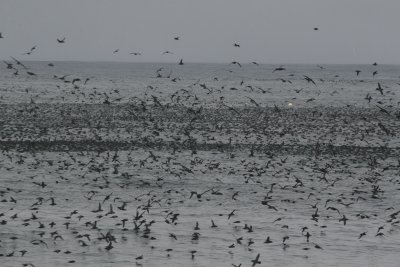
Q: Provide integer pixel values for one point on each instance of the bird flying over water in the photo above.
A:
(256, 260)
(308, 79)
(236, 63)
(61, 41)
(379, 89)
(279, 69)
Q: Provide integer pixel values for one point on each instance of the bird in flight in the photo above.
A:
(379, 89)
(256, 260)
(135, 54)
(19, 62)
(236, 45)
(176, 38)
(116, 51)
(1, 35)
(61, 41)
(181, 62)
(358, 72)
(237, 63)
(30, 51)
(279, 69)
(308, 79)
(167, 52)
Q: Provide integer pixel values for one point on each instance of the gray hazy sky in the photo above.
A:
(269, 31)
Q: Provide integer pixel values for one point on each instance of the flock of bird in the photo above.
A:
(173, 176)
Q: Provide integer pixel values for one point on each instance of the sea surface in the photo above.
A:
(145, 164)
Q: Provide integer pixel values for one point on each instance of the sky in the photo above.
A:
(268, 31)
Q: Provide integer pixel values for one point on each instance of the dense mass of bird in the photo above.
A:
(186, 178)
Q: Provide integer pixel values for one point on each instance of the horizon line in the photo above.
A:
(196, 62)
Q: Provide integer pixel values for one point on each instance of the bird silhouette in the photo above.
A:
(61, 41)
(256, 260)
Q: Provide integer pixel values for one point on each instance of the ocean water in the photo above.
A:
(196, 165)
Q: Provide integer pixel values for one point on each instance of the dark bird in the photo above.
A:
(256, 260)
(231, 214)
(236, 45)
(1, 35)
(316, 29)
(61, 41)
(362, 234)
(368, 97)
(30, 73)
(135, 54)
(253, 101)
(9, 65)
(343, 219)
(181, 62)
(279, 69)
(308, 79)
(167, 52)
(383, 110)
(358, 72)
(176, 38)
(374, 73)
(308, 235)
(19, 63)
(380, 89)
(236, 63)
(115, 51)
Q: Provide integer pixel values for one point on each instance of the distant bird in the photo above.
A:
(279, 69)
(176, 38)
(255, 63)
(9, 65)
(308, 79)
(343, 219)
(236, 45)
(375, 64)
(167, 52)
(61, 41)
(181, 62)
(236, 63)
(19, 63)
(362, 234)
(256, 260)
(374, 73)
(135, 54)
(116, 51)
(316, 29)
(30, 73)
(30, 51)
(1, 35)
(358, 72)
(379, 89)
(368, 97)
